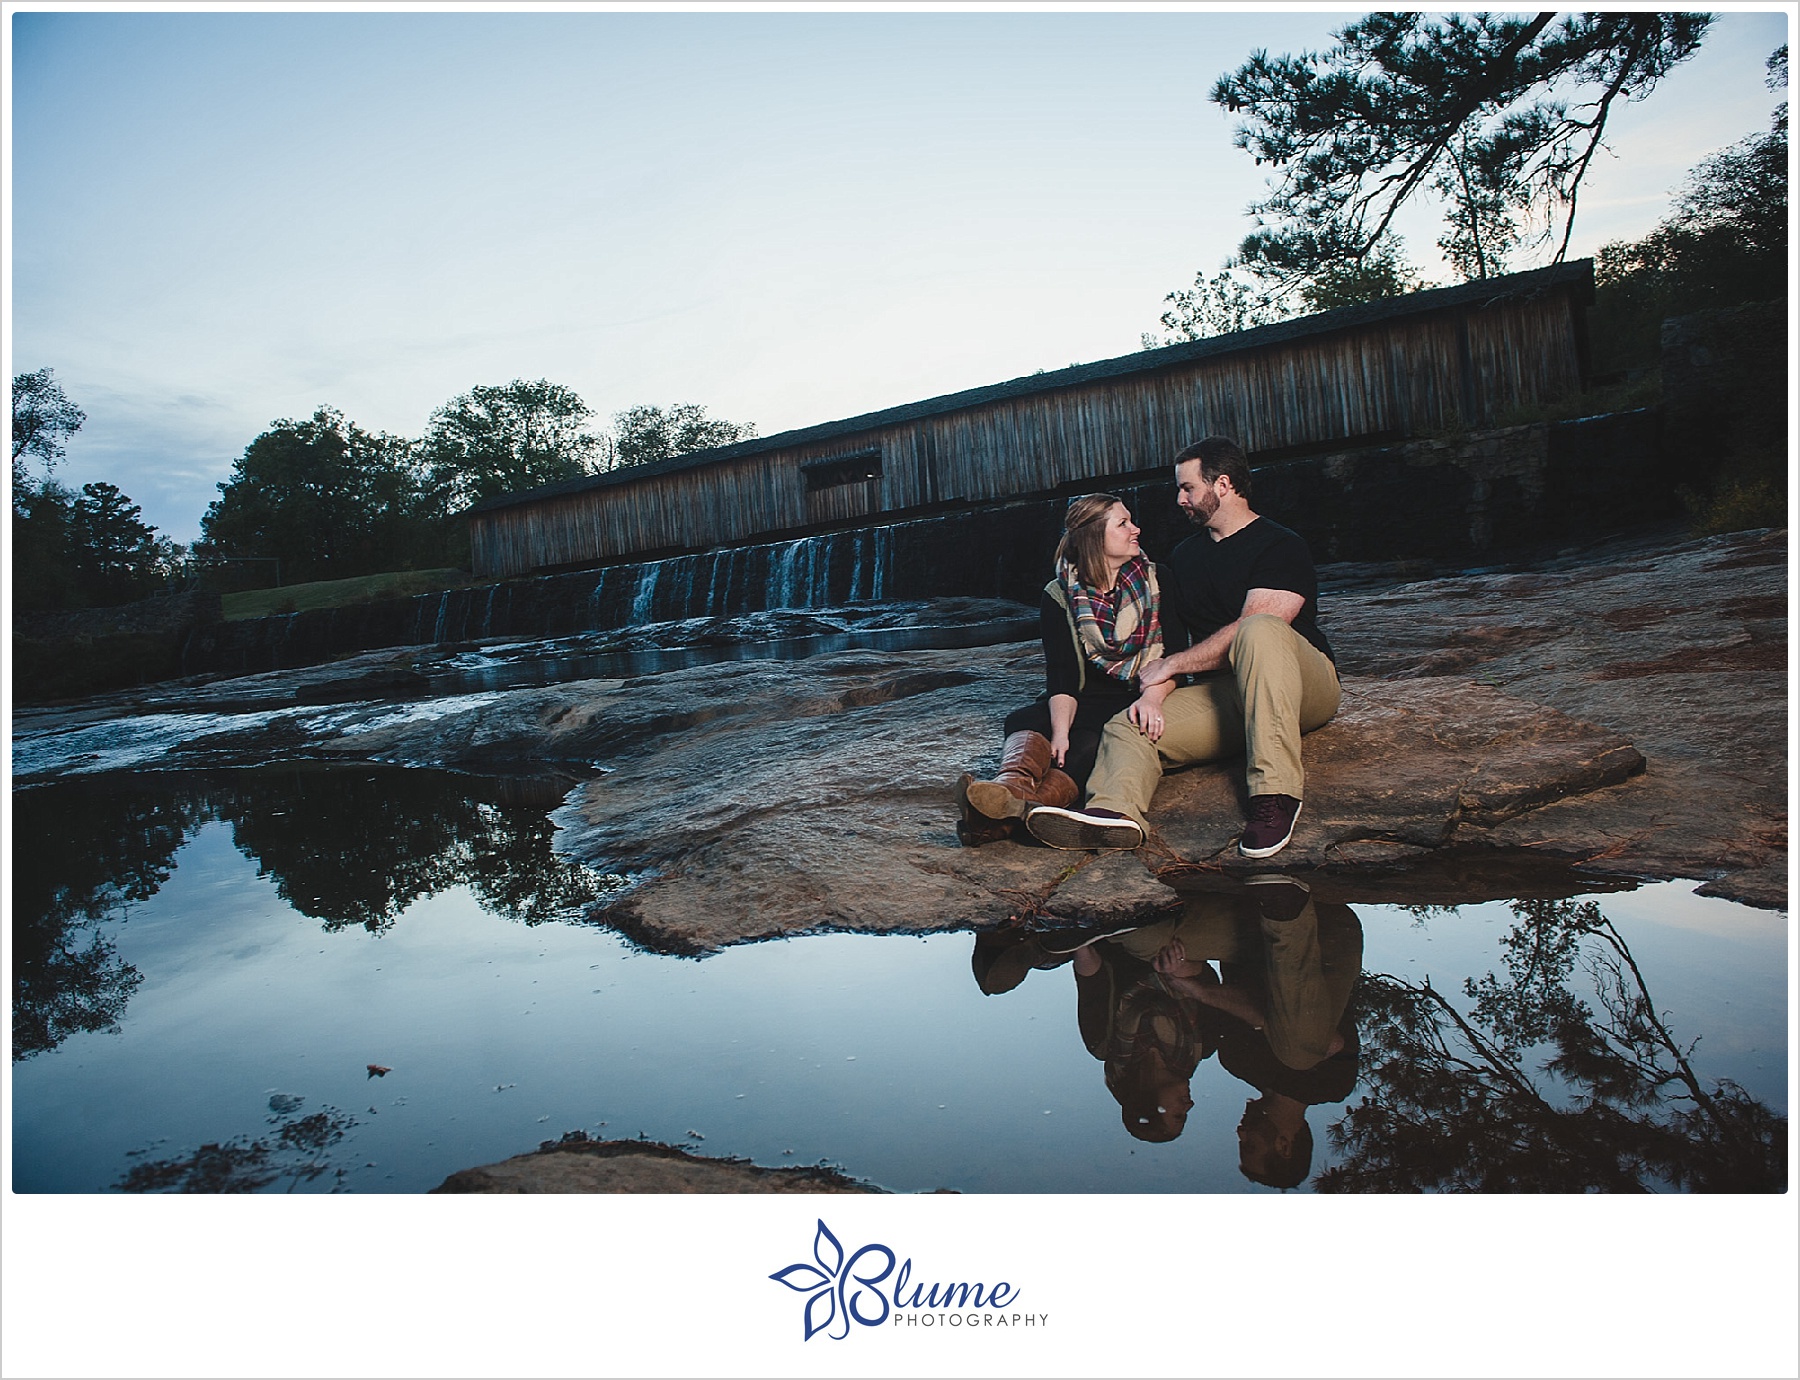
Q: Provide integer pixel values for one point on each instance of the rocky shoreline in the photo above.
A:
(1602, 717)
(1622, 709)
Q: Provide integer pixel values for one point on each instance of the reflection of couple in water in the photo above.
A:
(1152, 1007)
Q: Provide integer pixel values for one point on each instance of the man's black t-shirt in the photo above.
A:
(1212, 578)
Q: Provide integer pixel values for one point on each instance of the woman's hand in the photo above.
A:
(1062, 719)
(1187, 977)
(1170, 957)
(1146, 710)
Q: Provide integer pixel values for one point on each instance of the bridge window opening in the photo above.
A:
(832, 471)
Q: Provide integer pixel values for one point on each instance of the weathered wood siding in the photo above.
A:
(1398, 377)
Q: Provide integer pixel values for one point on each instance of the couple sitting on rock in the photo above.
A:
(1239, 600)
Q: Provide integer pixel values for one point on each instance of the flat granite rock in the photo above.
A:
(817, 820)
(785, 798)
(632, 1166)
(1405, 766)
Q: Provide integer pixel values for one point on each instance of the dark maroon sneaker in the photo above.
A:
(1271, 825)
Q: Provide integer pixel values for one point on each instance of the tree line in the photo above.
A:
(320, 497)
(72, 549)
(328, 499)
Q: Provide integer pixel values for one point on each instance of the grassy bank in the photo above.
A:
(327, 594)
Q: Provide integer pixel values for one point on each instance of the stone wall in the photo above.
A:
(1724, 383)
(83, 651)
(1451, 498)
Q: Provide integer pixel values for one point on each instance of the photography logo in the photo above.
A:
(865, 1288)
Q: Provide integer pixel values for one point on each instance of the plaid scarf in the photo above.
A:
(1120, 629)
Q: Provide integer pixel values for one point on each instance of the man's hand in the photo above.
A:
(1155, 673)
(1213, 652)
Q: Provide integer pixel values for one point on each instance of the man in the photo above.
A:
(1247, 591)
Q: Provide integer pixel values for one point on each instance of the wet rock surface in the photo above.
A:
(1623, 708)
(635, 1166)
(1406, 767)
(1680, 646)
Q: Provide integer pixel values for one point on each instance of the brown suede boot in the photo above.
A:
(975, 828)
(1057, 788)
(1026, 778)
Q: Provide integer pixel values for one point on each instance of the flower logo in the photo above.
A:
(839, 1288)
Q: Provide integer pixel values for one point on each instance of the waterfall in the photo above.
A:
(691, 593)
(884, 557)
(646, 592)
(977, 553)
(596, 606)
(779, 591)
(804, 573)
(796, 574)
(721, 561)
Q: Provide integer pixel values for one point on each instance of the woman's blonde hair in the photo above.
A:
(1083, 543)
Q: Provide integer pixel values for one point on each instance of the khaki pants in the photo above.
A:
(1279, 686)
(1309, 964)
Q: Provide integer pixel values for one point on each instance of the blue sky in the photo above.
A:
(225, 218)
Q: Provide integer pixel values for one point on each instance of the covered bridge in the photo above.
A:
(1448, 358)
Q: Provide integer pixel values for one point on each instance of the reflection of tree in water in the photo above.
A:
(345, 846)
(74, 869)
(359, 847)
(1451, 1104)
(297, 1151)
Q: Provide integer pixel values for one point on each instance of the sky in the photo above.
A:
(220, 219)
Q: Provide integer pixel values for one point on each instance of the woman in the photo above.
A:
(1102, 620)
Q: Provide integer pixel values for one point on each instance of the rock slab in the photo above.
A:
(631, 1166)
(808, 811)
(1406, 766)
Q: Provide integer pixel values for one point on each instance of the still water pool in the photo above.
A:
(212, 970)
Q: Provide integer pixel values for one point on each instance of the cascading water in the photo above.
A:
(982, 554)
(807, 573)
(883, 542)
(646, 592)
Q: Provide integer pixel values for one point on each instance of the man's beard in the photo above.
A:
(1199, 515)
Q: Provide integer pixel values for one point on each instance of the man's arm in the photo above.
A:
(1209, 655)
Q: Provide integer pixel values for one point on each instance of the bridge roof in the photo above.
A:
(1578, 274)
